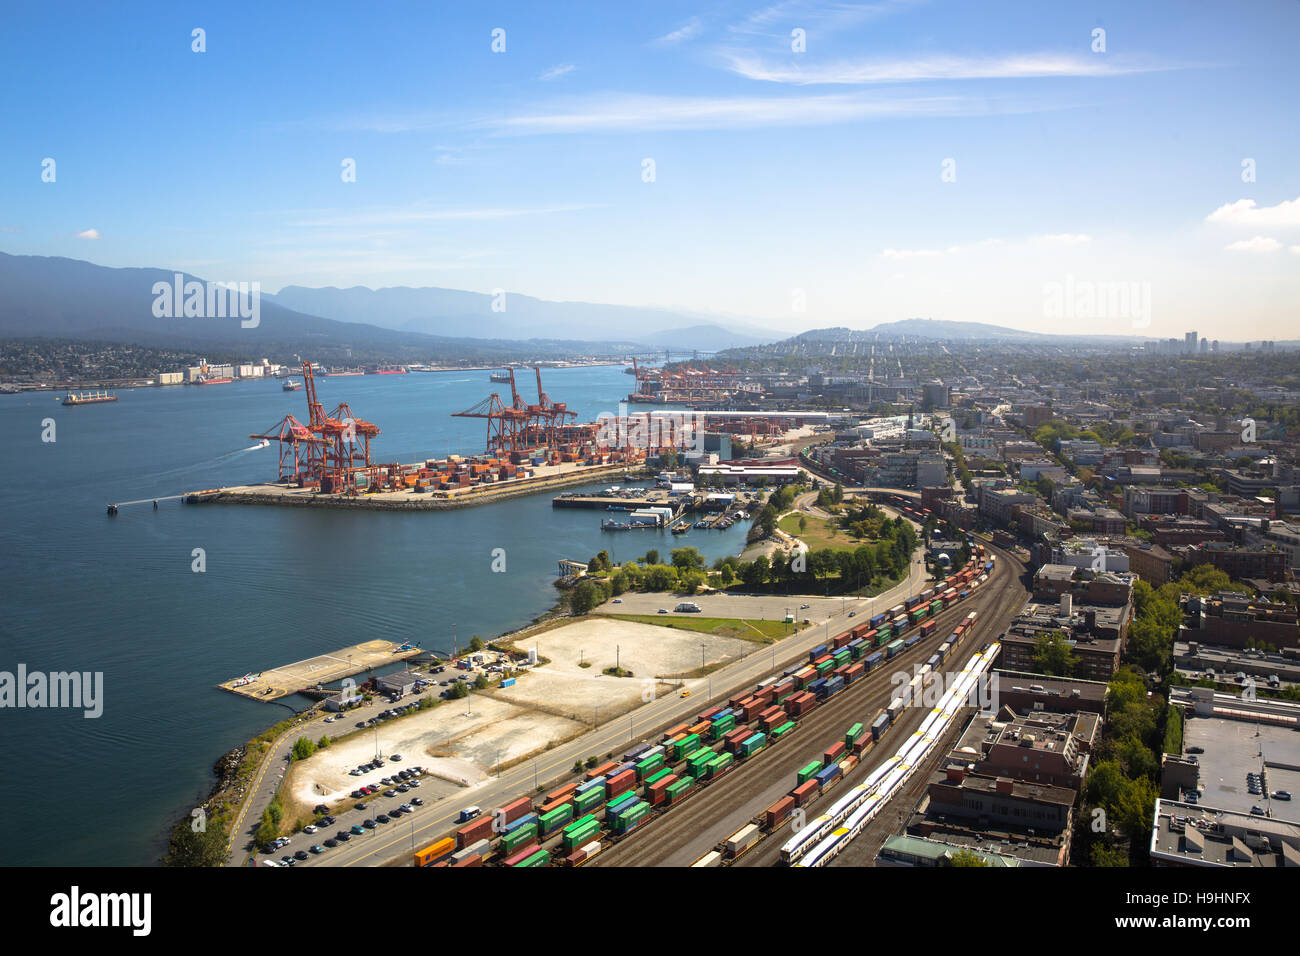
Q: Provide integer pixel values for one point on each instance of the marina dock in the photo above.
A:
(282, 681)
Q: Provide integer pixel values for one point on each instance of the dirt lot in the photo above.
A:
(459, 751)
(565, 688)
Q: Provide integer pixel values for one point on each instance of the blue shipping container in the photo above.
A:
(873, 660)
(878, 620)
(514, 825)
(880, 725)
(508, 682)
(912, 641)
(816, 686)
(584, 787)
(724, 713)
(824, 777)
(817, 652)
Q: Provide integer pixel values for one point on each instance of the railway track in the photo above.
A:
(684, 833)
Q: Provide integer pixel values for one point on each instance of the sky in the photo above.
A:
(1104, 167)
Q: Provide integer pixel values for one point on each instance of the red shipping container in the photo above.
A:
(854, 673)
(576, 857)
(778, 811)
(620, 783)
(833, 753)
(470, 861)
(768, 712)
(546, 808)
(805, 792)
(515, 809)
(673, 732)
(732, 741)
(600, 771)
(659, 789)
(522, 855)
(841, 671)
(709, 713)
(701, 728)
(767, 693)
(774, 720)
(735, 701)
(471, 833)
(842, 640)
(565, 791)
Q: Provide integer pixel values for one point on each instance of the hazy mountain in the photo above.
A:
(945, 330)
(437, 311)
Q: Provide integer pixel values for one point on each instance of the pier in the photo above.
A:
(289, 679)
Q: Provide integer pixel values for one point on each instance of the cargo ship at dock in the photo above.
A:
(388, 370)
(88, 398)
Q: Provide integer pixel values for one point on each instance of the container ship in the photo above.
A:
(224, 380)
(337, 374)
(290, 385)
(500, 377)
(388, 370)
(88, 398)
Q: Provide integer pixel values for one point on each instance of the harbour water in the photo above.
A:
(118, 595)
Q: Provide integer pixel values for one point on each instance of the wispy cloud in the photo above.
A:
(1245, 212)
(1061, 239)
(820, 14)
(557, 71)
(644, 112)
(88, 234)
(1257, 244)
(408, 216)
(862, 72)
(688, 31)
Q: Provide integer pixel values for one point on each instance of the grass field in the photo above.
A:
(818, 534)
(760, 632)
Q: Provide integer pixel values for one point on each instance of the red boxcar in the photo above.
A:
(778, 811)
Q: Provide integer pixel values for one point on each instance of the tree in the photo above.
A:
(964, 857)
(651, 557)
(303, 748)
(584, 596)
(476, 644)
(687, 559)
(1053, 655)
(206, 847)
(459, 689)
(481, 682)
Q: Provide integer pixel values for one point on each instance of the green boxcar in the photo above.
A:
(805, 774)
(724, 726)
(576, 838)
(720, 763)
(825, 666)
(698, 761)
(581, 822)
(556, 818)
(753, 745)
(649, 766)
(918, 615)
(779, 732)
(851, 737)
(656, 775)
(936, 605)
(685, 746)
(513, 840)
(884, 634)
(589, 800)
(895, 647)
(540, 858)
(680, 788)
(842, 656)
(631, 817)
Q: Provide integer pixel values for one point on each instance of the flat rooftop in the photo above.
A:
(1185, 833)
(1234, 748)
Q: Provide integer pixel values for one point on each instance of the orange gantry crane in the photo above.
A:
(332, 449)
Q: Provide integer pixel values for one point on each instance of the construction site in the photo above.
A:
(529, 446)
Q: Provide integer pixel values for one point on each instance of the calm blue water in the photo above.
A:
(86, 592)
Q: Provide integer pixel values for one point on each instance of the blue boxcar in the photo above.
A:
(584, 787)
(912, 641)
(816, 686)
(879, 619)
(832, 685)
(879, 726)
(964, 594)
(825, 776)
(873, 660)
(817, 652)
(635, 753)
(514, 825)
(720, 714)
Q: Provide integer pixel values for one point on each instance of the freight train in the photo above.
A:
(618, 797)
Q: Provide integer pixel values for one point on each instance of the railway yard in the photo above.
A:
(687, 781)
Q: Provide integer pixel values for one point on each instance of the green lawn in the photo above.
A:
(760, 632)
(818, 535)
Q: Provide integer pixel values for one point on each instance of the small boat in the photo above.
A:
(681, 529)
(500, 377)
(290, 385)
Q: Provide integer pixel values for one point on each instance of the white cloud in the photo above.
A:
(914, 253)
(88, 234)
(826, 17)
(688, 31)
(860, 72)
(643, 112)
(1245, 212)
(556, 71)
(1257, 244)
(401, 217)
(1062, 239)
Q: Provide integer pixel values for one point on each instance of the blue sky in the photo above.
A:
(781, 178)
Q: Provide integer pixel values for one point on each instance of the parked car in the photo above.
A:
(416, 801)
(381, 818)
(358, 830)
(1281, 794)
(318, 849)
(300, 855)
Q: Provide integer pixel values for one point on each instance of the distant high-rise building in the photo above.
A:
(1214, 347)
(1205, 346)
(1189, 341)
